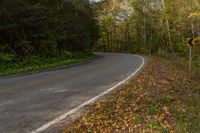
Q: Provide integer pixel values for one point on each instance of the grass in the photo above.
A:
(166, 99)
(38, 64)
(198, 89)
(152, 110)
(155, 125)
(163, 98)
(137, 119)
(173, 110)
(189, 119)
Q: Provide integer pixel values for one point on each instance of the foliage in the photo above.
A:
(45, 28)
(37, 63)
(161, 99)
(149, 26)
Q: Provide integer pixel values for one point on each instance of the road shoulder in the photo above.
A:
(161, 99)
(79, 110)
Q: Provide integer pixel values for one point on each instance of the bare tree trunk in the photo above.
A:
(111, 40)
(167, 24)
(104, 45)
(115, 39)
(192, 28)
(151, 38)
(10, 44)
(108, 39)
(145, 21)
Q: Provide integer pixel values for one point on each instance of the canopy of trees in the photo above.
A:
(48, 27)
(45, 28)
(148, 26)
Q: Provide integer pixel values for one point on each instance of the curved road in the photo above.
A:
(30, 101)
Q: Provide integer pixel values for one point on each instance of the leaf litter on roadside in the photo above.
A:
(157, 100)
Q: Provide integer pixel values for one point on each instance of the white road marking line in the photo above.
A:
(60, 118)
(6, 103)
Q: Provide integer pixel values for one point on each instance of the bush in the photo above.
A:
(45, 28)
(67, 54)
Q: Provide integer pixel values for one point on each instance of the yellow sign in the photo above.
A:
(193, 41)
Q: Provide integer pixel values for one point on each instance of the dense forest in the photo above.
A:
(57, 28)
(61, 66)
(148, 24)
(45, 28)
(160, 27)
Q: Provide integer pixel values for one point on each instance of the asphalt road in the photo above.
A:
(28, 102)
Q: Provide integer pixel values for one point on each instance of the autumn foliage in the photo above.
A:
(161, 99)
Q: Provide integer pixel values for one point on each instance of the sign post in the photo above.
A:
(192, 42)
(190, 58)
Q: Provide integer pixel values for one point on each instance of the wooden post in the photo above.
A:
(190, 49)
(190, 58)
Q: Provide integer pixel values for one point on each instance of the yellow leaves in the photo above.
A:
(137, 125)
(161, 117)
(164, 82)
(166, 110)
(98, 105)
(194, 15)
(128, 109)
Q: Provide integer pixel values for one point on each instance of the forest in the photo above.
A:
(44, 29)
(39, 32)
(82, 66)
(158, 27)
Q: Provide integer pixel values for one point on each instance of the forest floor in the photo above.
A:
(163, 98)
(38, 64)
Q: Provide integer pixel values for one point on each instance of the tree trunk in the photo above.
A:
(168, 29)
(192, 29)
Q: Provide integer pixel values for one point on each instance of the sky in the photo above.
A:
(96, 0)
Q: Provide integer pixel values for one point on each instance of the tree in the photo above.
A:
(46, 28)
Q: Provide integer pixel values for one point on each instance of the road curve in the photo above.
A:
(30, 101)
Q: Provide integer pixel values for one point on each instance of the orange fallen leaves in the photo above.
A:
(127, 109)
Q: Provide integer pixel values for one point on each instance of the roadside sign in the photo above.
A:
(190, 41)
(193, 41)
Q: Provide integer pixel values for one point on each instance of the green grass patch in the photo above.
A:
(173, 110)
(35, 64)
(137, 119)
(156, 126)
(197, 89)
(166, 99)
(152, 110)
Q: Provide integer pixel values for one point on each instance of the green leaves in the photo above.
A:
(6, 57)
(45, 28)
(9, 66)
